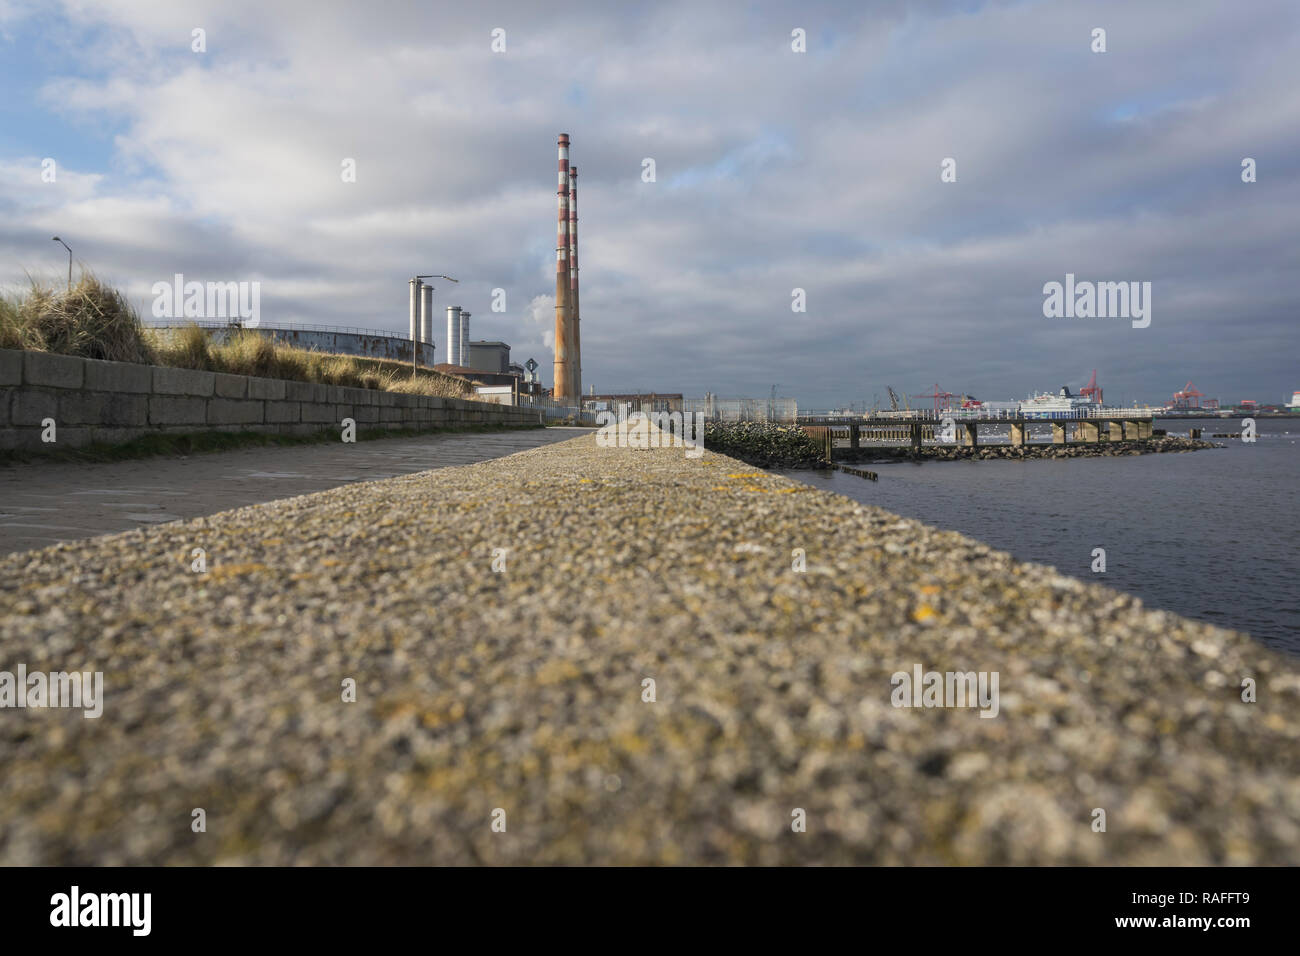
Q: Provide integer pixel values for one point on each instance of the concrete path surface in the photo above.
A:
(43, 503)
(645, 679)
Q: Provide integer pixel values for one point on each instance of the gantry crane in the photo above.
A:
(1188, 397)
(942, 399)
(1092, 390)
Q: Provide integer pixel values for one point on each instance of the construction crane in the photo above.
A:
(1092, 390)
(893, 399)
(942, 399)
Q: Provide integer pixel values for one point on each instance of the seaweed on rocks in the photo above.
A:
(765, 444)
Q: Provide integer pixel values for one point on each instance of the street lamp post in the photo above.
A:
(415, 339)
(65, 246)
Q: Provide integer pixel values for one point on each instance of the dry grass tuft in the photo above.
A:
(92, 320)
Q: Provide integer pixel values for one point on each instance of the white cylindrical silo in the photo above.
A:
(426, 323)
(415, 308)
(453, 334)
(464, 339)
(426, 315)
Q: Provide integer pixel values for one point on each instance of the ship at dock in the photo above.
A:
(1063, 404)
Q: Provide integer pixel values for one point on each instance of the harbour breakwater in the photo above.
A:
(1149, 446)
(768, 445)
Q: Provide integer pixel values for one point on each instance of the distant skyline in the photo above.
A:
(775, 171)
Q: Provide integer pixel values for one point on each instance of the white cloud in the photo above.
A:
(775, 170)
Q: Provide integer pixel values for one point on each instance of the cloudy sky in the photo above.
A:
(775, 170)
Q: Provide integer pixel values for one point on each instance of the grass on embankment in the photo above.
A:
(94, 320)
(91, 320)
(198, 443)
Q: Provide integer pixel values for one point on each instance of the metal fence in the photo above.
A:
(553, 411)
(716, 409)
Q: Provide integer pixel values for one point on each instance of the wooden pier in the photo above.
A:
(964, 429)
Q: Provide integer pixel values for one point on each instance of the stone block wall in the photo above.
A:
(93, 401)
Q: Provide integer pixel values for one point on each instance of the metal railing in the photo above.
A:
(553, 411)
(277, 327)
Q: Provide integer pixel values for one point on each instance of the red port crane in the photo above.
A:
(1092, 390)
(942, 399)
(1190, 397)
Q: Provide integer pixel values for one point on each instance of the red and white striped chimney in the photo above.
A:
(575, 326)
(563, 373)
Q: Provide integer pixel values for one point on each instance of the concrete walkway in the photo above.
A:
(646, 679)
(45, 503)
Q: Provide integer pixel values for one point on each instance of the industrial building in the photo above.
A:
(489, 357)
(488, 363)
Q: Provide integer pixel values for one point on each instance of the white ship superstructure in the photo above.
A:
(1060, 405)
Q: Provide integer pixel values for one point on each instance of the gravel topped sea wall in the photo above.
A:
(581, 654)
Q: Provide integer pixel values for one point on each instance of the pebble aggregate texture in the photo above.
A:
(111, 402)
(523, 690)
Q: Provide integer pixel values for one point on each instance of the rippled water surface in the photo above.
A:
(1212, 535)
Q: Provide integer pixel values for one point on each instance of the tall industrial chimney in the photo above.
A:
(453, 334)
(575, 357)
(563, 336)
(463, 354)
